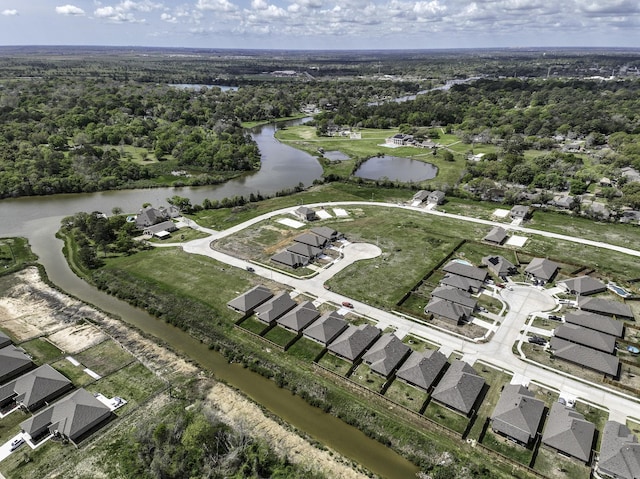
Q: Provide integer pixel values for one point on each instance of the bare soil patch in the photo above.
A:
(77, 337)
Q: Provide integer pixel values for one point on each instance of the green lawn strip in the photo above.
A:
(335, 364)
(596, 415)
(137, 154)
(104, 358)
(253, 325)
(552, 464)
(280, 335)
(405, 395)
(446, 417)
(305, 350)
(10, 425)
(419, 345)
(491, 304)
(41, 350)
(506, 447)
(75, 373)
(364, 376)
(27, 463)
(495, 379)
(545, 323)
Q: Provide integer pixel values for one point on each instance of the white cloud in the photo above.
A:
(71, 10)
(166, 17)
(123, 12)
(9, 12)
(216, 5)
(428, 8)
(259, 4)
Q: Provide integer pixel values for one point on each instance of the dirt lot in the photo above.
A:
(29, 308)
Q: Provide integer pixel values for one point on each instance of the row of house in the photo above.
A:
(306, 247)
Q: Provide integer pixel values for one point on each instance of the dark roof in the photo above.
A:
(40, 385)
(304, 250)
(4, 340)
(459, 388)
(455, 295)
(496, 235)
(586, 337)
(422, 369)
(325, 232)
(305, 212)
(164, 226)
(569, 432)
(299, 317)
(499, 265)
(594, 321)
(327, 328)
(619, 452)
(311, 239)
(460, 282)
(465, 270)
(246, 302)
(149, 216)
(436, 196)
(71, 416)
(542, 268)
(275, 307)
(13, 361)
(386, 354)
(290, 259)
(584, 285)
(605, 306)
(584, 356)
(520, 211)
(447, 309)
(517, 413)
(354, 340)
(421, 195)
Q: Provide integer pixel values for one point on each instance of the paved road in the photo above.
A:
(523, 300)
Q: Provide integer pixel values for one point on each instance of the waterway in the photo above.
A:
(38, 218)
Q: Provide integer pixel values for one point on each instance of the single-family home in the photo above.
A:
(606, 307)
(459, 388)
(583, 285)
(420, 197)
(585, 357)
(499, 265)
(73, 417)
(329, 234)
(311, 240)
(13, 362)
(292, 260)
(305, 213)
(275, 307)
(568, 432)
(149, 216)
(455, 295)
(326, 328)
(299, 317)
(466, 270)
(354, 341)
(386, 355)
(542, 269)
(436, 197)
(400, 139)
(497, 235)
(465, 284)
(517, 414)
(443, 309)
(520, 212)
(35, 388)
(161, 230)
(301, 249)
(248, 301)
(422, 369)
(586, 337)
(619, 456)
(597, 322)
(4, 340)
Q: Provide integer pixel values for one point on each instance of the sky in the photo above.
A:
(322, 24)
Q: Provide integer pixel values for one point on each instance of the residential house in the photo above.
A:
(248, 301)
(447, 310)
(73, 417)
(420, 197)
(619, 456)
(606, 307)
(400, 139)
(301, 249)
(455, 295)
(292, 260)
(597, 322)
(311, 240)
(4, 340)
(564, 202)
(586, 337)
(325, 329)
(35, 388)
(271, 310)
(496, 236)
(517, 414)
(585, 357)
(329, 234)
(459, 388)
(542, 269)
(422, 369)
(386, 355)
(583, 285)
(161, 230)
(568, 432)
(499, 266)
(465, 284)
(305, 213)
(299, 317)
(13, 362)
(466, 270)
(149, 216)
(436, 197)
(353, 341)
(520, 212)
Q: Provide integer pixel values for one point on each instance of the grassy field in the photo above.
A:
(335, 364)
(364, 376)
(14, 254)
(405, 395)
(41, 350)
(555, 466)
(446, 417)
(75, 373)
(104, 358)
(280, 335)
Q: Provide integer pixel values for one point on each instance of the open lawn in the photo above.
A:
(10, 425)
(446, 417)
(75, 373)
(506, 447)
(405, 395)
(305, 349)
(41, 350)
(14, 253)
(253, 325)
(367, 378)
(555, 466)
(280, 335)
(104, 358)
(419, 345)
(335, 364)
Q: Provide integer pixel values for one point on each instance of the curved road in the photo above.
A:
(522, 300)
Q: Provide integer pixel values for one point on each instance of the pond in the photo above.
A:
(335, 155)
(396, 169)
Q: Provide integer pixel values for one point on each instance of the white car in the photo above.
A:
(16, 443)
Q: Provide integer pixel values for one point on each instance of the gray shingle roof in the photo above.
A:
(459, 388)
(72, 416)
(4, 340)
(327, 328)
(246, 302)
(619, 452)
(163, 226)
(584, 356)
(13, 361)
(499, 265)
(304, 250)
(149, 216)
(386, 354)
(455, 295)
(447, 310)
(460, 282)
(275, 307)
(517, 413)
(519, 211)
(542, 268)
(422, 369)
(311, 239)
(305, 212)
(299, 317)
(465, 270)
(325, 232)
(596, 322)
(606, 307)
(41, 384)
(584, 285)
(568, 431)
(290, 259)
(496, 235)
(354, 340)
(421, 195)
(586, 337)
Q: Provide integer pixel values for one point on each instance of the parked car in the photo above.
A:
(555, 317)
(347, 304)
(500, 285)
(250, 269)
(16, 443)
(537, 340)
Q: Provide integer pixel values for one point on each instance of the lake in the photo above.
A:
(396, 169)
